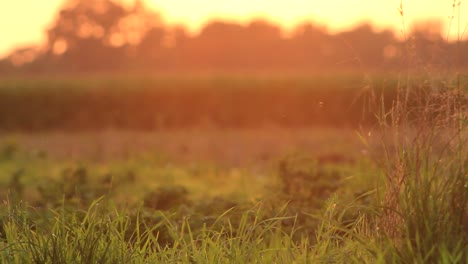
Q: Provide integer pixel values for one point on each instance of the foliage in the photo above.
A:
(90, 37)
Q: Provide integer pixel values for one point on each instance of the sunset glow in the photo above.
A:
(23, 22)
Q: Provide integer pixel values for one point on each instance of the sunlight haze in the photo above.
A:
(23, 22)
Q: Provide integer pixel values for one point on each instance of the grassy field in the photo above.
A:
(154, 205)
(232, 170)
(174, 102)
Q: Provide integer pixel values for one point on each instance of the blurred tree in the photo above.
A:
(427, 47)
(217, 46)
(104, 36)
(231, 46)
(153, 50)
(5, 67)
(266, 45)
(311, 46)
(363, 47)
(98, 34)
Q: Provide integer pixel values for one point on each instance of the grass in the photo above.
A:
(426, 198)
(427, 195)
(94, 237)
(307, 210)
(408, 206)
(152, 212)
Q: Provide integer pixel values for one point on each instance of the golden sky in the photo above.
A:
(22, 22)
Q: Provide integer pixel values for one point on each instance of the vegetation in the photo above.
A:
(307, 209)
(86, 38)
(181, 102)
(87, 213)
(404, 200)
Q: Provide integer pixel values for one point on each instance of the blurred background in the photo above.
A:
(104, 36)
(282, 69)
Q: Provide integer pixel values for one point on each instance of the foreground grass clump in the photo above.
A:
(103, 235)
(426, 199)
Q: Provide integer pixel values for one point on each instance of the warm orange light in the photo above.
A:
(336, 15)
(24, 22)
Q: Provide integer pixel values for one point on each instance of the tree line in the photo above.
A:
(105, 36)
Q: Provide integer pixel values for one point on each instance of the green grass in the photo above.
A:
(101, 236)
(404, 202)
(142, 210)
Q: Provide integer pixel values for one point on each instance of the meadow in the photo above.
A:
(233, 169)
(179, 101)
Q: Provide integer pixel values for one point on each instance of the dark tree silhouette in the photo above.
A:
(362, 47)
(105, 36)
(97, 35)
(311, 46)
